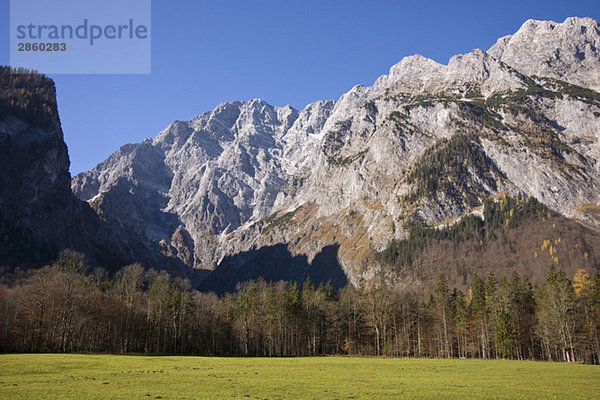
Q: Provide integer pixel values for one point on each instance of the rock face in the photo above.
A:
(567, 51)
(35, 197)
(39, 215)
(248, 184)
(205, 177)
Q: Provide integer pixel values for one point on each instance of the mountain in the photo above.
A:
(200, 179)
(39, 215)
(333, 191)
(567, 51)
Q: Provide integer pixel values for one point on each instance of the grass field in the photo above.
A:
(55, 376)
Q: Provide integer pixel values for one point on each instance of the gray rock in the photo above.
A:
(248, 175)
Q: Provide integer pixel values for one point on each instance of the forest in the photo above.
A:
(499, 216)
(66, 307)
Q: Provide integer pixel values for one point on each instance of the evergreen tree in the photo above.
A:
(479, 310)
(504, 335)
(461, 316)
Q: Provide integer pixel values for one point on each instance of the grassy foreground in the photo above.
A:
(57, 376)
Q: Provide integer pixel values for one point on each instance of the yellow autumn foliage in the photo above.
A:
(581, 282)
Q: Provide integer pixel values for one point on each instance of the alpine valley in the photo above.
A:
(487, 164)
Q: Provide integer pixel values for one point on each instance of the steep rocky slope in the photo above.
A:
(39, 215)
(568, 51)
(250, 186)
(203, 178)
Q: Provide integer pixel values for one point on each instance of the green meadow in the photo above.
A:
(70, 376)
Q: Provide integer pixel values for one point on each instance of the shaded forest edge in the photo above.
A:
(66, 308)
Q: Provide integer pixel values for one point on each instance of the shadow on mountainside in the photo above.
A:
(276, 263)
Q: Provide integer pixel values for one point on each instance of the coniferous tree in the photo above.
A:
(504, 335)
(479, 310)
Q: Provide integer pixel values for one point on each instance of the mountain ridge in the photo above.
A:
(353, 172)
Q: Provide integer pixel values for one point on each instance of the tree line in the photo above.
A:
(66, 308)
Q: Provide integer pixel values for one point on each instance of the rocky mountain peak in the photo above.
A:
(417, 74)
(569, 51)
(412, 72)
(210, 174)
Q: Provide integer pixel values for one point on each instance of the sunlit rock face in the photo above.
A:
(521, 118)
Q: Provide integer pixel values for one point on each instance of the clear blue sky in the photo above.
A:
(285, 52)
